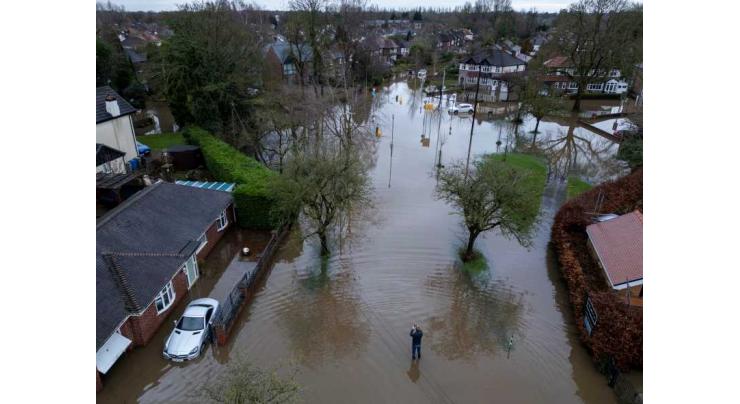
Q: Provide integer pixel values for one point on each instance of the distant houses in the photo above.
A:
(559, 77)
(147, 252)
(496, 69)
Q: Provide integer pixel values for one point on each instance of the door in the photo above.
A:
(191, 270)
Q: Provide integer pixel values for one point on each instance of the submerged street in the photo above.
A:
(343, 323)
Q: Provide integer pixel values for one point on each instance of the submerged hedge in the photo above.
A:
(225, 163)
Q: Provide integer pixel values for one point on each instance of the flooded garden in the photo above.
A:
(501, 333)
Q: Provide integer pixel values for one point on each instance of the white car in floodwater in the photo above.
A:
(191, 332)
(461, 108)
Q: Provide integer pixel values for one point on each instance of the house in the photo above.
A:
(146, 260)
(560, 72)
(496, 69)
(403, 48)
(538, 41)
(616, 245)
(109, 160)
(381, 48)
(284, 60)
(114, 126)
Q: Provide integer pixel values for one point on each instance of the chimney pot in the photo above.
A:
(111, 105)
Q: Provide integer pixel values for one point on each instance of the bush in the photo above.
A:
(251, 196)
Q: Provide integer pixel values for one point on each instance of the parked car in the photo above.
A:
(191, 332)
(461, 108)
(143, 149)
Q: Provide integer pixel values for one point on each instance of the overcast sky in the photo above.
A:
(541, 5)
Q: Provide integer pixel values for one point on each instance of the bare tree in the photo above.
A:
(598, 37)
(244, 383)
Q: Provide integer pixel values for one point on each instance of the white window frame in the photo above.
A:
(168, 292)
(203, 243)
(196, 273)
(223, 220)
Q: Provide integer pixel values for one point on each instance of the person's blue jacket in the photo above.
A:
(416, 335)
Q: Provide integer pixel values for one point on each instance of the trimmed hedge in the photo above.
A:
(618, 333)
(225, 163)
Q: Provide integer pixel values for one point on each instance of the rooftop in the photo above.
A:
(142, 243)
(618, 244)
(101, 114)
(494, 57)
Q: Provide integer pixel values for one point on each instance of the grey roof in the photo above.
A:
(134, 56)
(495, 57)
(101, 115)
(142, 243)
(283, 51)
(104, 154)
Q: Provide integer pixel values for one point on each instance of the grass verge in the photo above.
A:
(577, 186)
(162, 141)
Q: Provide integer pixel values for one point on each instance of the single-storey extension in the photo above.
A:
(617, 247)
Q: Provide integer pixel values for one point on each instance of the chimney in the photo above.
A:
(111, 105)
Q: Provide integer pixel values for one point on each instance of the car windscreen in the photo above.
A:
(190, 323)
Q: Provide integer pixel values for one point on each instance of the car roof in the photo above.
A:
(196, 311)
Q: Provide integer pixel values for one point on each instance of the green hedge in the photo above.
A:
(225, 163)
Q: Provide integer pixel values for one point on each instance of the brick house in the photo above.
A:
(616, 245)
(147, 253)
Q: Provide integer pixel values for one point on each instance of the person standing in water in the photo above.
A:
(416, 335)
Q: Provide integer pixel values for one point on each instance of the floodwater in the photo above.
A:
(343, 323)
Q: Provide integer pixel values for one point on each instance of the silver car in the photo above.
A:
(191, 332)
(461, 108)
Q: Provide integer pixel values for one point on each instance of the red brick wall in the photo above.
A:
(213, 235)
(143, 327)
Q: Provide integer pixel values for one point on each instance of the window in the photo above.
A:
(165, 298)
(223, 221)
(202, 241)
(190, 324)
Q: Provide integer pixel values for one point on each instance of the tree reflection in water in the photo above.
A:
(573, 150)
(482, 315)
(322, 320)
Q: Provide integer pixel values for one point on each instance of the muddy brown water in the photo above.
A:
(343, 323)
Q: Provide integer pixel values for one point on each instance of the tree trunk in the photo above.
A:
(324, 244)
(537, 126)
(577, 104)
(471, 242)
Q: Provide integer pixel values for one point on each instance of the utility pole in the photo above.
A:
(390, 171)
(472, 124)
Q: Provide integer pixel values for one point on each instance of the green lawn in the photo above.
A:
(532, 163)
(163, 141)
(529, 162)
(577, 186)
